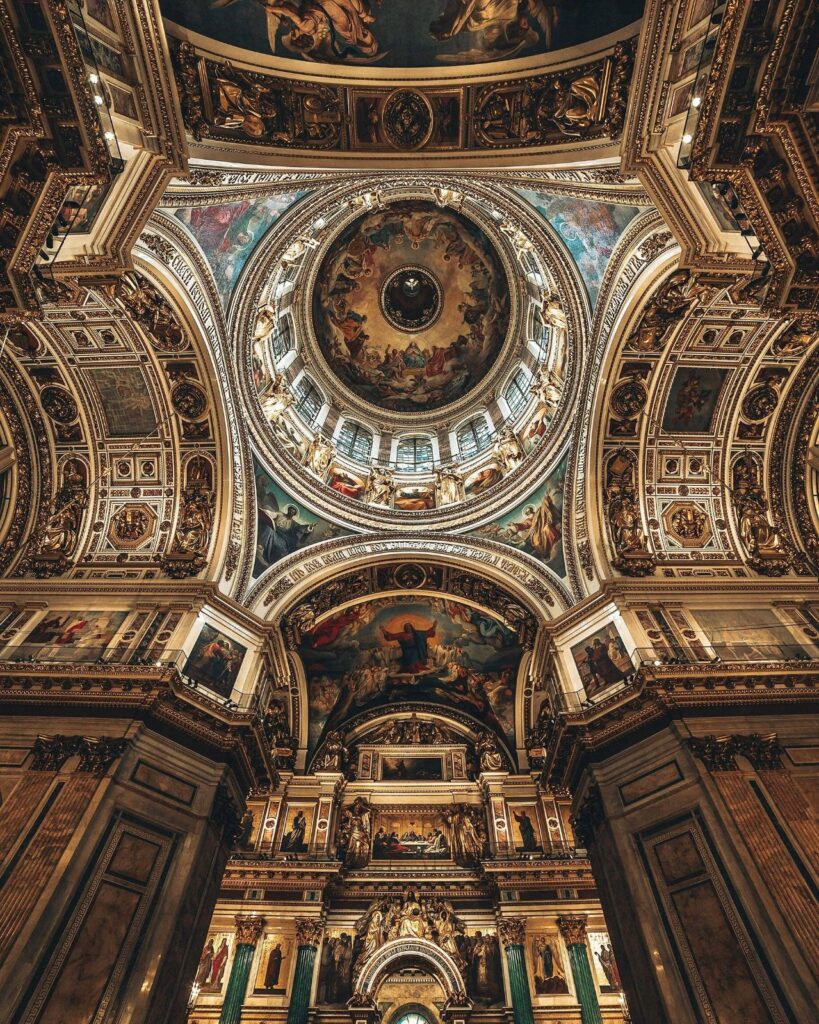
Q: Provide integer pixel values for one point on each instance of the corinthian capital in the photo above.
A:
(512, 930)
(308, 931)
(248, 929)
(573, 929)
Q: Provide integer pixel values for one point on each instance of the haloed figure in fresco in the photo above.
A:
(403, 649)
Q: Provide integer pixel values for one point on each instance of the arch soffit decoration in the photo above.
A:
(385, 959)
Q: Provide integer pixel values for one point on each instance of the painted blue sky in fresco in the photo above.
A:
(590, 230)
(229, 233)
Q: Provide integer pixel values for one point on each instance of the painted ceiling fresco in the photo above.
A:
(227, 234)
(535, 526)
(395, 649)
(411, 306)
(284, 525)
(590, 230)
(395, 33)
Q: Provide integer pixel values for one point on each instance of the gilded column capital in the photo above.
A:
(719, 753)
(512, 930)
(248, 929)
(573, 929)
(308, 931)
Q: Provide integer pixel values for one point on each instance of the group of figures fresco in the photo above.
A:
(380, 31)
(215, 660)
(410, 916)
(602, 660)
(535, 526)
(399, 649)
(429, 366)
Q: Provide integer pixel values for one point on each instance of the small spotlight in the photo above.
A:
(697, 101)
(109, 136)
(98, 99)
(93, 78)
(687, 138)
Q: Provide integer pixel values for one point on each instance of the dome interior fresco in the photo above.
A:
(439, 33)
(411, 306)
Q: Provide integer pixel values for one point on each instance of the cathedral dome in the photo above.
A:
(411, 306)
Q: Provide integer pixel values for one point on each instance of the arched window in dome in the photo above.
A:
(517, 391)
(414, 454)
(473, 437)
(282, 340)
(308, 400)
(355, 441)
(412, 1017)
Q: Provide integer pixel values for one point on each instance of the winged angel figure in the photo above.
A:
(330, 31)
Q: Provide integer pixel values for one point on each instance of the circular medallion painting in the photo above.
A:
(411, 306)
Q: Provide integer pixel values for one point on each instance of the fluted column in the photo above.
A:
(512, 931)
(573, 929)
(248, 931)
(308, 937)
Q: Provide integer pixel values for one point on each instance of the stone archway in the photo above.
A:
(363, 1007)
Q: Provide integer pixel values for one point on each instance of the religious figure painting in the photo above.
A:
(297, 826)
(346, 483)
(411, 834)
(535, 526)
(215, 661)
(413, 769)
(414, 499)
(549, 975)
(589, 229)
(363, 32)
(228, 233)
(271, 974)
(284, 525)
(71, 636)
(409, 649)
(411, 306)
(480, 950)
(692, 400)
(212, 970)
(602, 660)
(125, 399)
(482, 479)
(605, 966)
(335, 984)
(525, 828)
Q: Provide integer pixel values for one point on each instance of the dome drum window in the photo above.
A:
(308, 401)
(474, 437)
(355, 441)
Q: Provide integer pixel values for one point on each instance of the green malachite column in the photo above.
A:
(512, 931)
(573, 930)
(248, 930)
(308, 936)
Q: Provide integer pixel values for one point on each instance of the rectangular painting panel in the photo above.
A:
(274, 964)
(525, 828)
(481, 951)
(335, 984)
(215, 661)
(410, 834)
(125, 399)
(692, 400)
(212, 972)
(602, 660)
(413, 769)
(297, 829)
(748, 634)
(549, 977)
(72, 636)
(605, 966)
